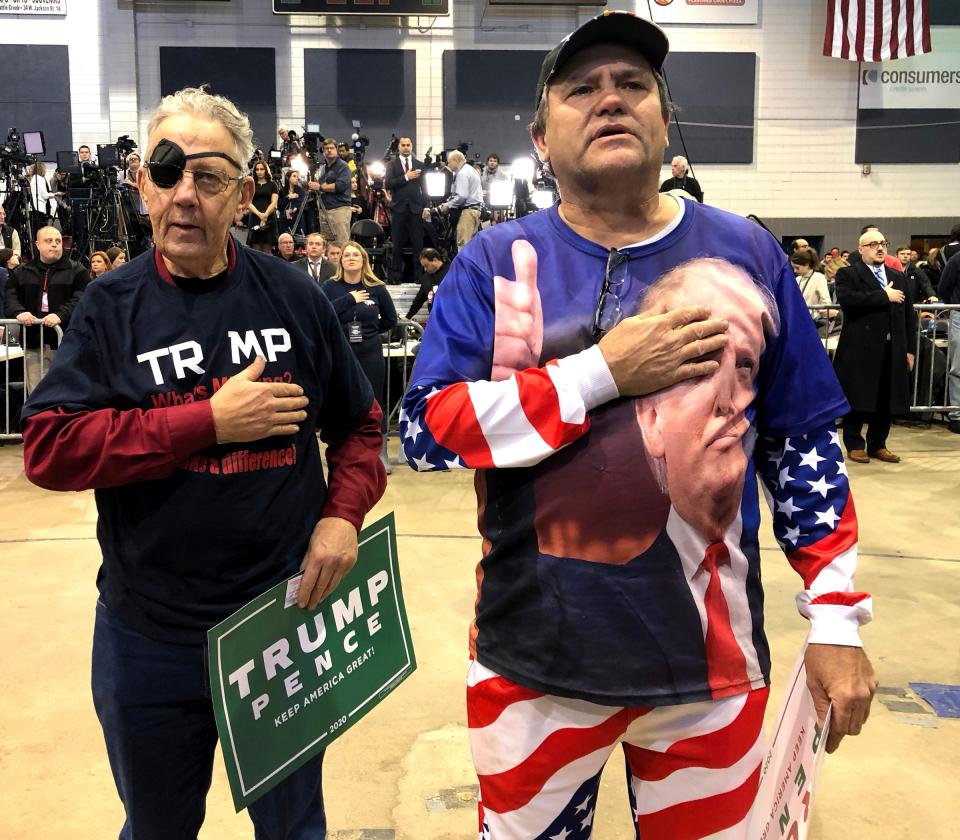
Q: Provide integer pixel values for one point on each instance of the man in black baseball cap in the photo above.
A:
(618, 605)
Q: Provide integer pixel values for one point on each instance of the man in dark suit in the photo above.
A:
(875, 353)
(403, 181)
(313, 263)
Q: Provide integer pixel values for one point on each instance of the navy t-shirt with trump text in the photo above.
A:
(181, 553)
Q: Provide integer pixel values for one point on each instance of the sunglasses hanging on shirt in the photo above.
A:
(168, 164)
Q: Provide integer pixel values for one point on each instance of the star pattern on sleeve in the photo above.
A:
(807, 478)
(422, 452)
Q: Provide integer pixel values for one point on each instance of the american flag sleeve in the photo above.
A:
(514, 422)
(805, 482)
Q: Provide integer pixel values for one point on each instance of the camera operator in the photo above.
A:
(402, 180)
(289, 144)
(130, 182)
(466, 198)
(132, 164)
(85, 171)
(9, 238)
(332, 181)
(347, 156)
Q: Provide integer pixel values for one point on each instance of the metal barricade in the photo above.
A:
(937, 349)
(828, 320)
(15, 358)
(400, 351)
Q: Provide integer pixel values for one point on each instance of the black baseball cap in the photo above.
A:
(609, 28)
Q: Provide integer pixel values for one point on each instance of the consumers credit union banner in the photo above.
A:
(921, 82)
(702, 12)
(286, 682)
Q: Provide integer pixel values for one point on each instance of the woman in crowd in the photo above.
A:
(365, 310)
(40, 191)
(289, 203)
(360, 207)
(100, 264)
(813, 285)
(263, 232)
(117, 256)
(830, 269)
(61, 199)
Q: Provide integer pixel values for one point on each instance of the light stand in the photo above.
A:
(437, 188)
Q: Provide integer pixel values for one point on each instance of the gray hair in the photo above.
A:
(456, 156)
(210, 106)
(683, 162)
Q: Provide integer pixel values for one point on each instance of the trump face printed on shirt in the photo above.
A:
(697, 433)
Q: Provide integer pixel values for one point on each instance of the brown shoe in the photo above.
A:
(886, 455)
(859, 455)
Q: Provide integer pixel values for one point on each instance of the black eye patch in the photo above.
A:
(167, 163)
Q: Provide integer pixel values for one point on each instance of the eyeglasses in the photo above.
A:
(608, 311)
(882, 243)
(209, 182)
(168, 163)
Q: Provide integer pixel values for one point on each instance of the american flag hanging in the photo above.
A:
(876, 30)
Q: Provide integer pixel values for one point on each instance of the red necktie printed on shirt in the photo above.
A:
(726, 664)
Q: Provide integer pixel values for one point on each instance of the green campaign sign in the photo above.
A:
(287, 682)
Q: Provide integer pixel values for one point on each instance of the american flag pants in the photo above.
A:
(692, 769)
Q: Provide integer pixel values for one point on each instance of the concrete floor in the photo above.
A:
(405, 772)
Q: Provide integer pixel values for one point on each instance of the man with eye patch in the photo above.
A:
(189, 393)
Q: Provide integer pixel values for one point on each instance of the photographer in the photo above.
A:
(465, 200)
(130, 182)
(289, 144)
(333, 184)
(85, 169)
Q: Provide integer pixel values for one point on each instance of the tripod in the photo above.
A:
(312, 197)
(110, 221)
(19, 208)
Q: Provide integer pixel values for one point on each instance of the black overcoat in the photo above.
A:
(868, 318)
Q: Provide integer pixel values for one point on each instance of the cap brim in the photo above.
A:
(609, 28)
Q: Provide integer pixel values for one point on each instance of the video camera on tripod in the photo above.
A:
(114, 155)
(12, 154)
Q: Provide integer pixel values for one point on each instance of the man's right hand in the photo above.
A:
(411, 174)
(245, 409)
(895, 295)
(27, 318)
(657, 349)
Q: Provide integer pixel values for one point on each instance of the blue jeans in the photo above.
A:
(153, 702)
